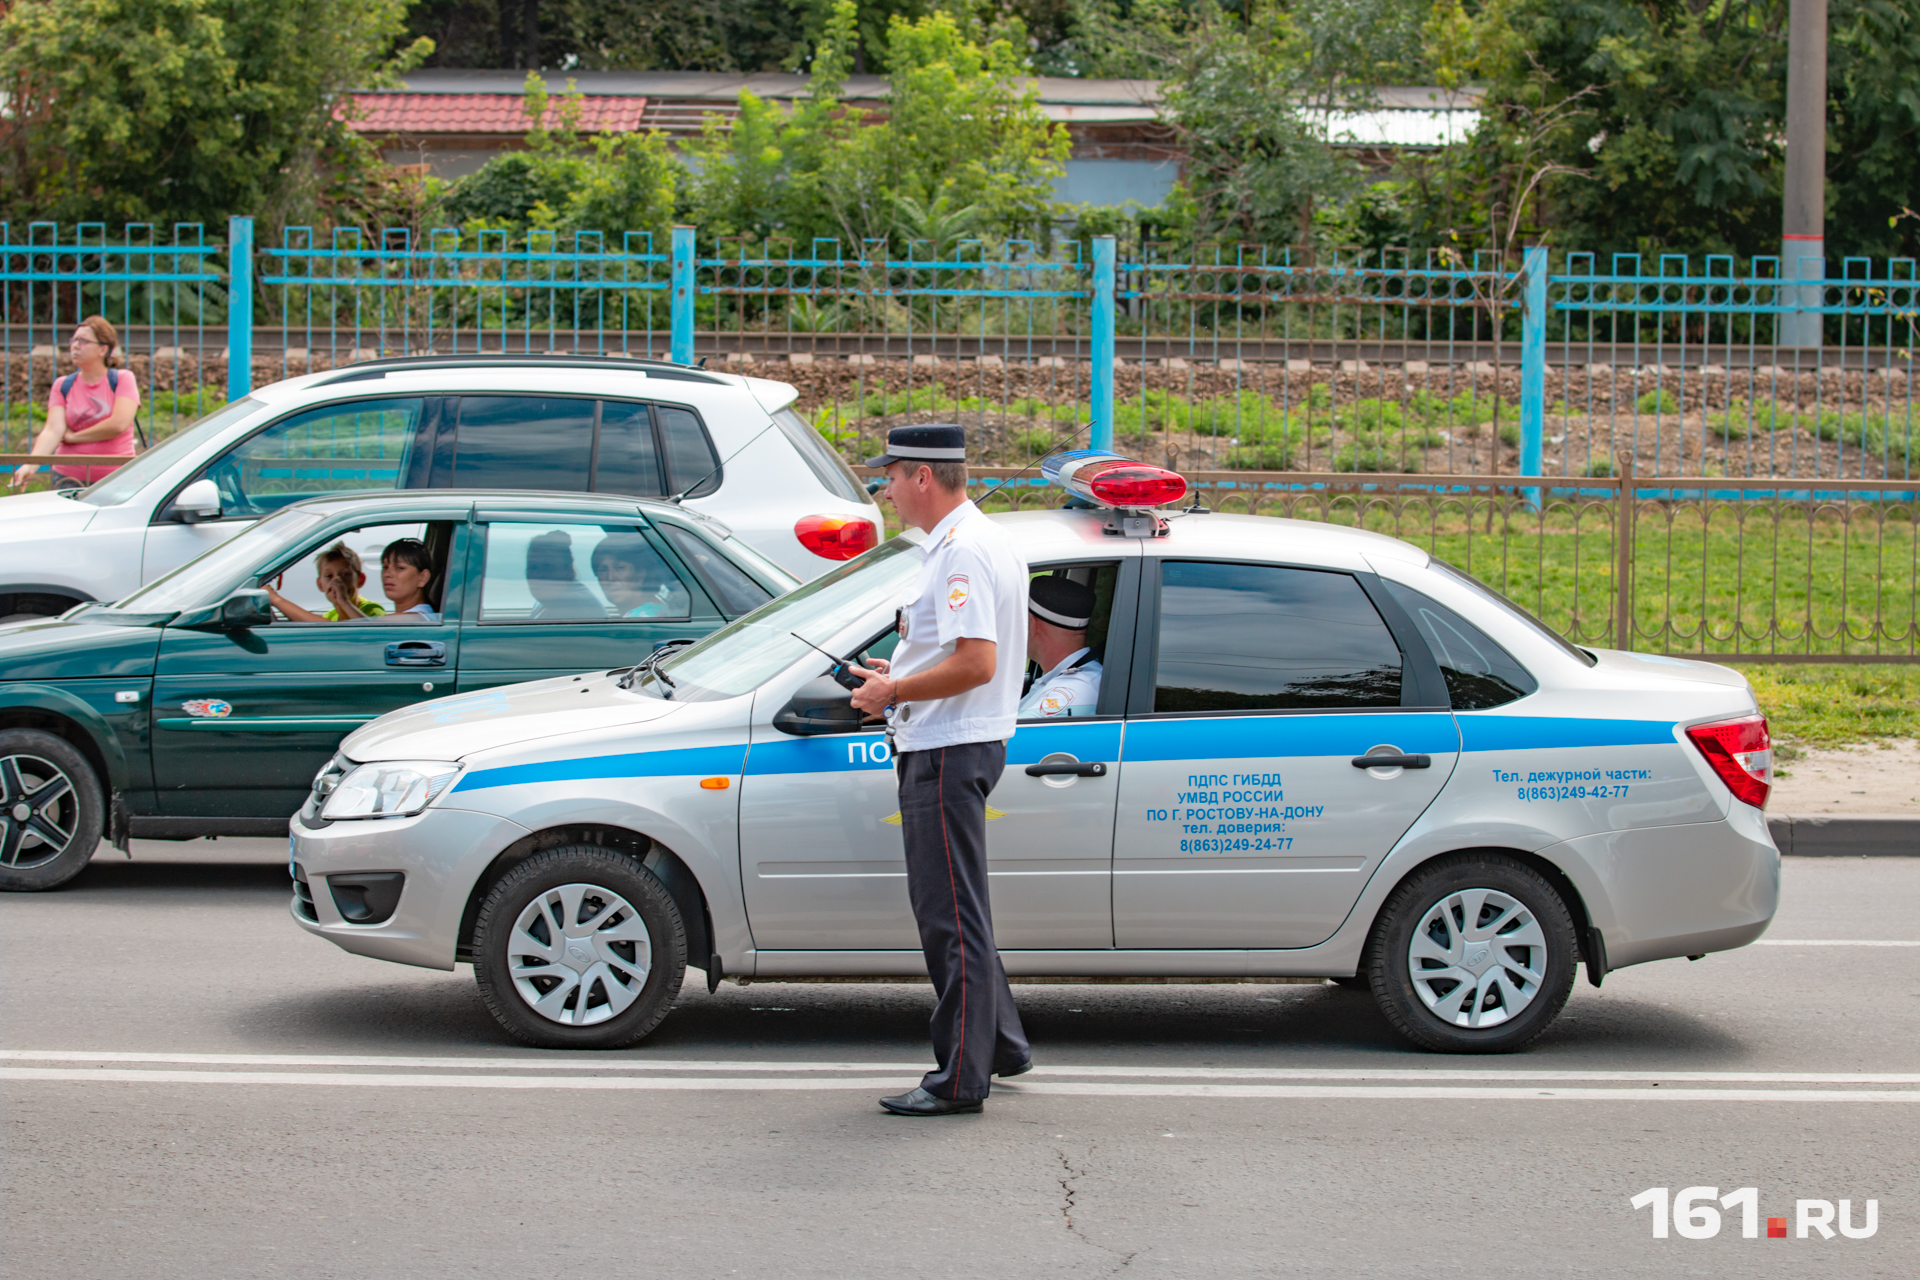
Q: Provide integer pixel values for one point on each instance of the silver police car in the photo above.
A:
(1315, 751)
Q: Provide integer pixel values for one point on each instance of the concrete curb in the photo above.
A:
(1839, 835)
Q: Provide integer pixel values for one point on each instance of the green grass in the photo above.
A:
(1831, 705)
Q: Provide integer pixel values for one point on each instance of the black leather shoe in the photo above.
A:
(922, 1103)
(1006, 1073)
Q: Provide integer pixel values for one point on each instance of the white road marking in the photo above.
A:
(1063, 1088)
(1053, 1072)
(1828, 942)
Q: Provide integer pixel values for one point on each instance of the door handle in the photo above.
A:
(1384, 761)
(416, 653)
(1067, 768)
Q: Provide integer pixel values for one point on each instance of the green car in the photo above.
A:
(204, 703)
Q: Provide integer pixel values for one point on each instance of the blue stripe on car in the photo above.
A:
(637, 764)
(1520, 733)
(1279, 736)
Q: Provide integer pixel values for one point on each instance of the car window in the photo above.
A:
(211, 577)
(523, 442)
(337, 448)
(1248, 637)
(692, 465)
(1478, 672)
(821, 458)
(126, 481)
(1494, 597)
(357, 552)
(576, 572)
(628, 461)
(726, 582)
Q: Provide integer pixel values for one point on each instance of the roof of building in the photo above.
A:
(501, 113)
(480, 102)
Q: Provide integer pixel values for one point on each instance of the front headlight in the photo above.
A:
(388, 789)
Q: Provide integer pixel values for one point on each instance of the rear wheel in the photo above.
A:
(52, 810)
(1474, 953)
(579, 947)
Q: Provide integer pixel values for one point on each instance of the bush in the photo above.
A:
(1657, 401)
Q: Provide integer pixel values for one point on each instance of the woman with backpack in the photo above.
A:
(91, 410)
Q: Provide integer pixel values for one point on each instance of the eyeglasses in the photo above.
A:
(85, 342)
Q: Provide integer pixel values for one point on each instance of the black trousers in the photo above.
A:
(943, 811)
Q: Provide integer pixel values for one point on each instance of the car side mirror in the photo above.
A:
(819, 706)
(240, 611)
(198, 503)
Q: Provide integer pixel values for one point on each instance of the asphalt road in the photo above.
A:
(194, 1087)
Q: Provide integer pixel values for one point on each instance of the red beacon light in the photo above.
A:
(1131, 488)
(836, 537)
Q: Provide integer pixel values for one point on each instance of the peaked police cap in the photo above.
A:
(1061, 601)
(928, 442)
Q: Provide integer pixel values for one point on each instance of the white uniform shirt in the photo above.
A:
(1064, 691)
(972, 586)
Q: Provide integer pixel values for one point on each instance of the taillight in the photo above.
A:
(836, 537)
(1741, 753)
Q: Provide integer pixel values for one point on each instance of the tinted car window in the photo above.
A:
(523, 442)
(1246, 637)
(539, 572)
(690, 458)
(1478, 672)
(338, 448)
(726, 581)
(821, 458)
(628, 461)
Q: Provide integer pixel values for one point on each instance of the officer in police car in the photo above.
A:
(950, 695)
(1059, 610)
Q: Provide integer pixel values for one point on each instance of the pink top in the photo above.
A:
(89, 404)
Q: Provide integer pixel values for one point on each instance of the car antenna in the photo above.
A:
(679, 497)
(1058, 445)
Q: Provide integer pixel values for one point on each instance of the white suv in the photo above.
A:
(728, 446)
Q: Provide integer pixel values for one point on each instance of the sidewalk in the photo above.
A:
(1859, 801)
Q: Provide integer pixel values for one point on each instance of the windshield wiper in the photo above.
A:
(647, 666)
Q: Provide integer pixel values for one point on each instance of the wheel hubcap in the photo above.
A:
(38, 813)
(579, 954)
(1478, 958)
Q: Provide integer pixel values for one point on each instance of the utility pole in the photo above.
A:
(1803, 203)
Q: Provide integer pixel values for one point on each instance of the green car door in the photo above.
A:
(557, 594)
(244, 719)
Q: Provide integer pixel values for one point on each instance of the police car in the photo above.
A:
(1313, 751)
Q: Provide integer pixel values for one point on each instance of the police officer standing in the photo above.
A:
(951, 694)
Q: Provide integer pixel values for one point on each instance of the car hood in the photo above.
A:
(53, 649)
(467, 723)
(54, 513)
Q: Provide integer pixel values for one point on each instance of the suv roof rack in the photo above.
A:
(368, 370)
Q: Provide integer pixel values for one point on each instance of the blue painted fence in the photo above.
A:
(1239, 358)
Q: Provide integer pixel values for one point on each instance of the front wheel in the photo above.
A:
(52, 811)
(579, 947)
(1473, 953)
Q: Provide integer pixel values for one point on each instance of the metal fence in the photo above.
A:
(1232, 362)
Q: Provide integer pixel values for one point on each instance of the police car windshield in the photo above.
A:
(742, 656)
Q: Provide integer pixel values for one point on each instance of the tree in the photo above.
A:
(1673, 140)
(182, 110)
(961, 132)
(611, 183)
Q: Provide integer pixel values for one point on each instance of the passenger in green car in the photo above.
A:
(340, 577)
(406, 571)
(635, 581)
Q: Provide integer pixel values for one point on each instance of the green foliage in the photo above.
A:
(1659, 400)
(1600, 466)
(182, 110)
(1644, 125)
(1816, 705)
(563, 182)
(965, 147)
